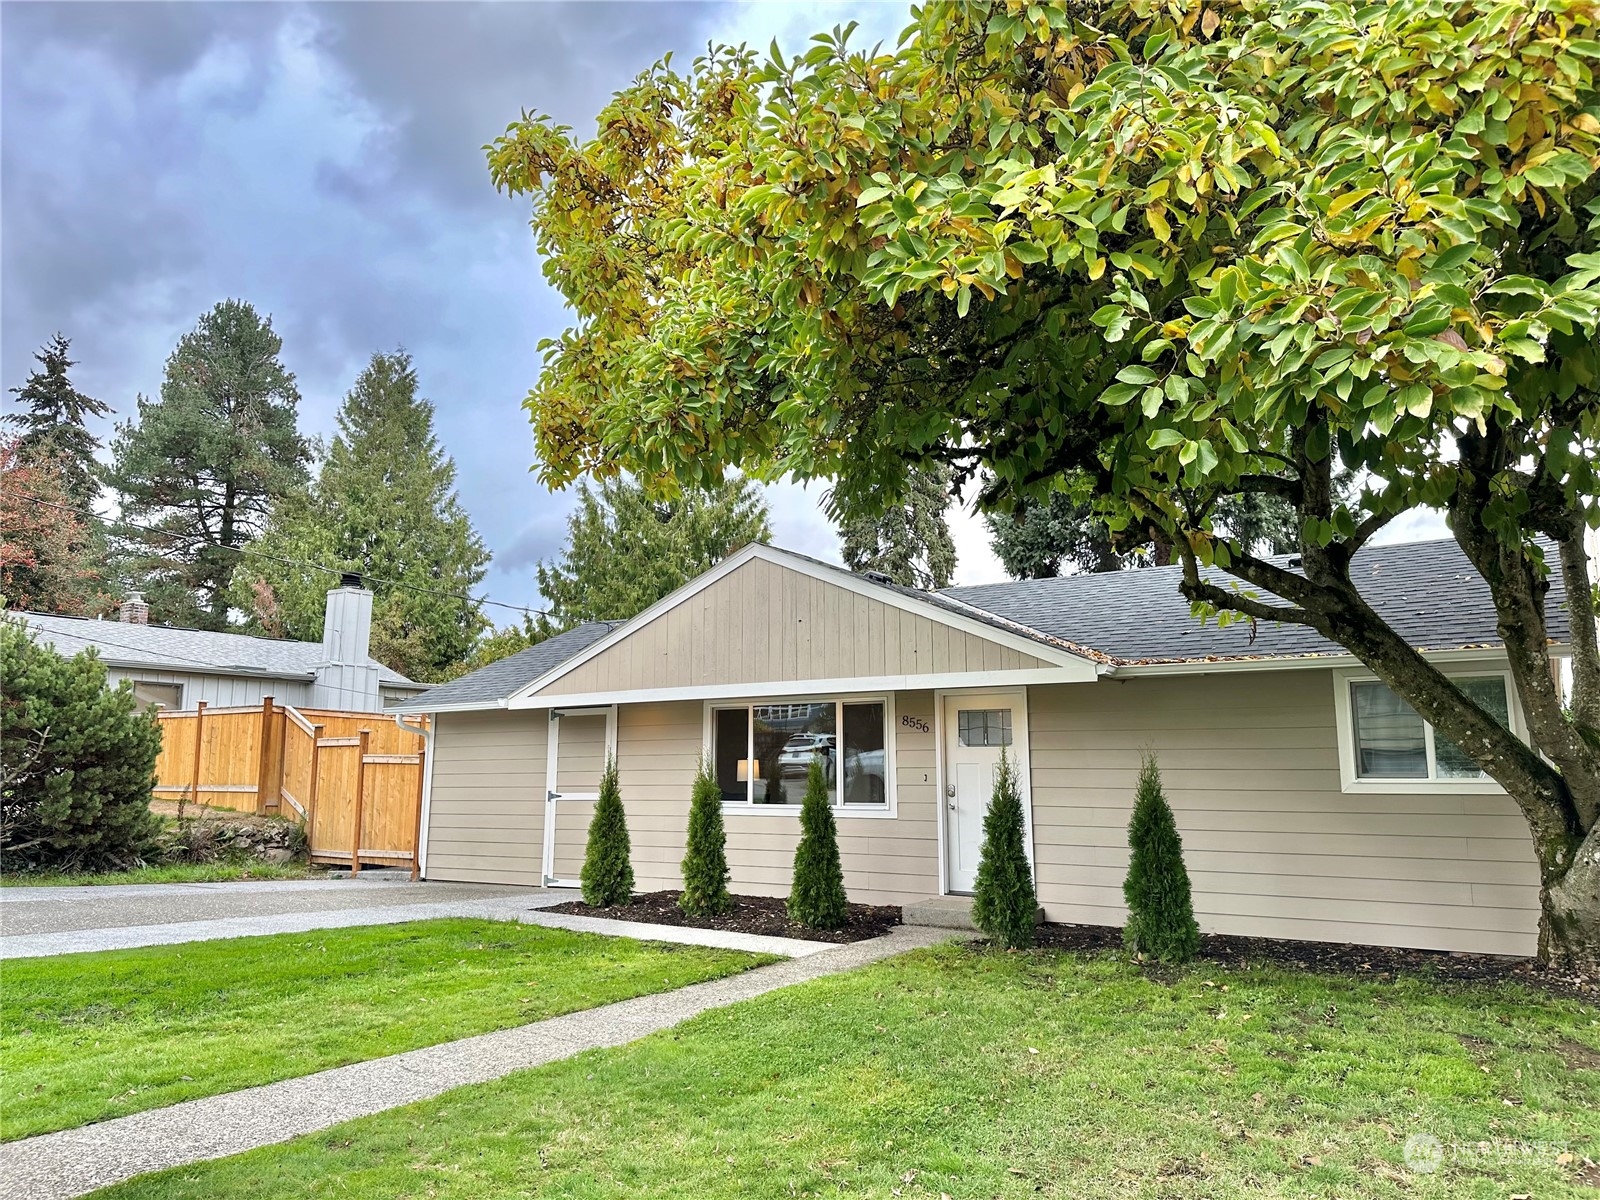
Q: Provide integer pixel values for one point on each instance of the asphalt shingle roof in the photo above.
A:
(161, 647)
(1427, 591)
(489, 685)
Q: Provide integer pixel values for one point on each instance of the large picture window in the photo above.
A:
(1390, 741)
(762, 753)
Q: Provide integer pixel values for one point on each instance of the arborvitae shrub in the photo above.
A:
(1004, 905)
(1161, 922)
(77, 761)
(607, 874)
(705, 859)
(818, 898)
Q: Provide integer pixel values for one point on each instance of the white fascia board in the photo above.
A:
(785, 689)
(671, 600)
(1085, 669)
(469, 706)
(1309, 662)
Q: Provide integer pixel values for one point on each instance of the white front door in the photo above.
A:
(976, 729)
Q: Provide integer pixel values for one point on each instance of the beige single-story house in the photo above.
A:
(1313, 802)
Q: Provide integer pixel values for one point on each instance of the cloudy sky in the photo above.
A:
(323, 161)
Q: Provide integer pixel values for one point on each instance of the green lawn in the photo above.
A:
(84, 1037)
(975, 1074)
(180, 873)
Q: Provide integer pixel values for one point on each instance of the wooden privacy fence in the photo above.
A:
(353, 779)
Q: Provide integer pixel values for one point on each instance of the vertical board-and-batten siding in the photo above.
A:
(1273, 846)
(486, 809)
(766, 622)
(219, 691)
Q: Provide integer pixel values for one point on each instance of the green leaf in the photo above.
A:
(1134, 373)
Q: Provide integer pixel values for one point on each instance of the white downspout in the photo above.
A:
(427, 790)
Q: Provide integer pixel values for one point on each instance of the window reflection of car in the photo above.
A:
(864, 779)
(797, 753)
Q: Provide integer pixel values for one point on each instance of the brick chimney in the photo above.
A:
(134, 611)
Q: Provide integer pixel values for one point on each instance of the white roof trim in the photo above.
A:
(1303, 662)
(785, 689)
(836, 576)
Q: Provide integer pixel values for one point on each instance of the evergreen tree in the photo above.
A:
(77, 760)
(202, 466)
(817, 898)
(705, 859)
(50, 558)
(1004, 905)
(607, 875)
(55, 422)
(383, 505)
(1161, 922)
(625, 551)
(503, 642)
(910, 542)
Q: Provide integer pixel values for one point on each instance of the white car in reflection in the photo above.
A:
(797, 753)
(864, 778)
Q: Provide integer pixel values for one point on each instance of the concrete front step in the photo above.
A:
(945, 912)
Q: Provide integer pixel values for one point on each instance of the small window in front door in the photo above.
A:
(984, 726)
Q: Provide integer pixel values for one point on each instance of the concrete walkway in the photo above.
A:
(58, 1165)
(40, 922)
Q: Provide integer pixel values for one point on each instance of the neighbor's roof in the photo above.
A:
(1427, 591)
(488, 686)
(200, 651)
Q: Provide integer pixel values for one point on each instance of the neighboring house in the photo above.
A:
(1313, 802)
(178, 668)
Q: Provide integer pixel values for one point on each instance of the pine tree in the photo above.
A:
(1004, 905)
(911, 542)
(625, 551)
(607, 875)
(201, 467)
(1161, 922)
(705, 859)
(384, 505)
(817, 898)
(55, 423)
(77, 760)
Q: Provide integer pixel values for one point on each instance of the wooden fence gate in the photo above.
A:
(354, 780)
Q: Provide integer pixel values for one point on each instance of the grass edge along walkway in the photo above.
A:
(56, 1166)
(96, 1037)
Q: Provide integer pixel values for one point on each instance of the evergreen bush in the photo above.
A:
(77, 761)
(1161, 922)
(1004, 905)
(607, 872)
(817, 899)
(705, 859)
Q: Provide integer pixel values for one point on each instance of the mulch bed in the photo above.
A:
(1372, 962)
(765, 915)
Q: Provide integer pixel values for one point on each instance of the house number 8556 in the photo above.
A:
(916, 723)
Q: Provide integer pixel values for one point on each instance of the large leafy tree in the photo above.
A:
(384, 505)
(909, 541)
(53, 421)
(199, 470)
(1194, 251)
(625, 550)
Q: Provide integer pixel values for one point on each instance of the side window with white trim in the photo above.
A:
(1393, 743)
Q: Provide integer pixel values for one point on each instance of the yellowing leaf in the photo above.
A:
(1155, 215)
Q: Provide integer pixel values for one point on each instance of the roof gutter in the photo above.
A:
(1304, 662)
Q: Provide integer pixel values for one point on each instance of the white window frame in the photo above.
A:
(160, 683)
(1350, 778)
(887, 810)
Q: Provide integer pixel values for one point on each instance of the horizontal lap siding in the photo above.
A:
(486, 811)
(1274, 848)
(886, 860)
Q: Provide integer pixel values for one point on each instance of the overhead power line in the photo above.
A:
(246, 551)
